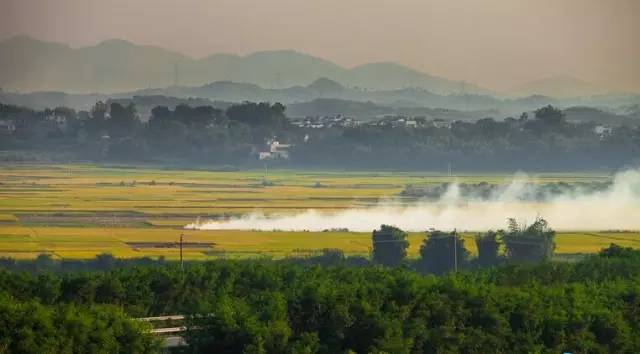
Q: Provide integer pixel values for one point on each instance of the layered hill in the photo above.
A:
(27, 64)
(561, 86)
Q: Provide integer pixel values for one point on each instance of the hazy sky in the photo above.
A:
(495, 43)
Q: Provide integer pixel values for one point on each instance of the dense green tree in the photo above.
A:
(389, 245)
(257, 113)
(160, 114)
(617, 251)
(488, 245)
(532, 243)
(548, 120)
(78, 288)
(550, 115)
(33, 328)
(43, 262)
(198, 117)
(442, 252)
(49, 288)
(105, 261)
(280, 307)
(109, 290)
(96, 123)
(122, 120)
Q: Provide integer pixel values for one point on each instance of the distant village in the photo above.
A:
(274, 149)
(387, 120)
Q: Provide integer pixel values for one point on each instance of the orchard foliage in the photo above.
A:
(281, 307)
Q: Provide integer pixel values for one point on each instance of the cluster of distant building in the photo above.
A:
(277, 150)
(319, 122)
(389, 120)
(603, 131)
(7, 127)
(397, 121)
(55, 121)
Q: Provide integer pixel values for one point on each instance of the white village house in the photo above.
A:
(603, 131)
(276, 151)
(7, 127)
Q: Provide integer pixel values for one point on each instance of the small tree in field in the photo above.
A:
(488, 247)
(528, 244)
(389, 245)
(442, 252)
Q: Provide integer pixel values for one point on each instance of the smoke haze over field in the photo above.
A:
(617, 208)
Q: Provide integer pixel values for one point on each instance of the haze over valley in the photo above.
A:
(315, 177)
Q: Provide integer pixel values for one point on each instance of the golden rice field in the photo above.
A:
(79, 211)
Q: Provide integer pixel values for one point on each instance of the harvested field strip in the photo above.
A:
(8, 218)
(185, 245)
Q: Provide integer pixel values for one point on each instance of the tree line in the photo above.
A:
(234, 136)
(442, 252)
(261, 306)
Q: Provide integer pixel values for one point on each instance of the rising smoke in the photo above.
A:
(616, 208)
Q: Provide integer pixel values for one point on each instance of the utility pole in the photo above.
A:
(455, 251)
(181, 260)
(266, 172)
(176, 80)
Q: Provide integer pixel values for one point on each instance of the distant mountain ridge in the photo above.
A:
(320, 92)
(27, 64)
(327, 97)
(561, 86)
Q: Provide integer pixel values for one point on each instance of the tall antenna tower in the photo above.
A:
(278, 80)
(176, 74)
(463, 84)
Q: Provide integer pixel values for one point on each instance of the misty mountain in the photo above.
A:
(28, 64)
(391, 75)
(328, 97)
(325, 88)
(561, 86)
(40, 100)
(581, 114)
(238, 92)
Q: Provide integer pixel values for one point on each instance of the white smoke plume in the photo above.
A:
(616, 208)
